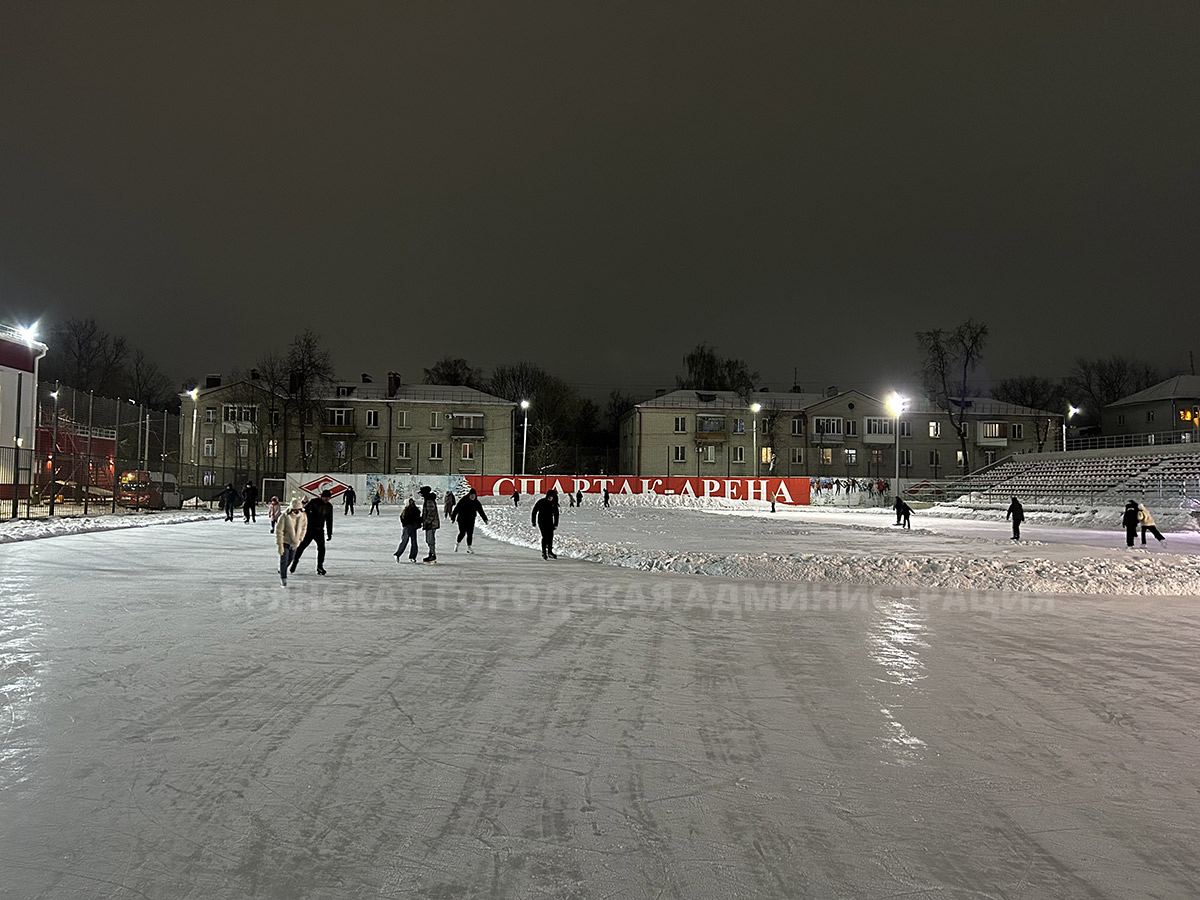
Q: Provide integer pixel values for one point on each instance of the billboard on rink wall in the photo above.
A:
(396, 489)
(791, 491)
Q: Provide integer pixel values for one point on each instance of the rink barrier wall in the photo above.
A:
(398, 488)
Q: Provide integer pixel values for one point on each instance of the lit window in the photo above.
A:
(468, 450)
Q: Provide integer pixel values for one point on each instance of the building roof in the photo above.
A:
(412, 393)
(729, 400)
(977, 406)
(776, 400)
(1181, 387)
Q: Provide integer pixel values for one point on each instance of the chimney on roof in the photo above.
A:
(212, 381)
(254, 376)
(659, 392)
(366, 379)
(393, 384)
(831, 391)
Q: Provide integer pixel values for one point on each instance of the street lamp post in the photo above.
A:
(755, 408)
(194, 393)
(53, 448)
(896, 407)
(524, 435)
(1071, 410)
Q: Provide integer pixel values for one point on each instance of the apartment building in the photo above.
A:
(843, 435)
(356, 427)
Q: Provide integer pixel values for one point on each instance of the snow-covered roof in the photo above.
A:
(977, 406)
(729, 400)
(1181, 387)
(409, 393)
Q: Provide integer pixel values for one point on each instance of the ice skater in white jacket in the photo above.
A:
(289, 532)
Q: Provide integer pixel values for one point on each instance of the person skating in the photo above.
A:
(516, 495)
(606, 498)
(410, 521)
(1129, 519)
(571, 499)
(1016, 512)
(320, 524)
(376, 499)
(904, 512)
(250, 502)
(545, 517)
(464, 513)
(897, 505)
(430, 522)
(349, 498)
(1147, 522)
(289, 534)
(772, 501)
(228, 499)
(448, 506)
(274, 511)
(579, 498)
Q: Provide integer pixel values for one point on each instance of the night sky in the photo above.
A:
(597, 188)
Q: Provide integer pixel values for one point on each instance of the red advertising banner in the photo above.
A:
(792, 491)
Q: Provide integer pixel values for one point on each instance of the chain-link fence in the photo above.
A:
(91, 455)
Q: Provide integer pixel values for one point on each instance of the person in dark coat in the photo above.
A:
(606, 498)
(410, 521)
(349, 499)
(249, 502)
(1016, 512)
(516, 495)
(464, 513)
(320, 527)
(1130, 520)
(430, 522)
(545, 517)
(904, 512)
(578, 498)
(898, 505)
(228, 499)
(448, 506)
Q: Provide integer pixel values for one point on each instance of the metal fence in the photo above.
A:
(83, 445)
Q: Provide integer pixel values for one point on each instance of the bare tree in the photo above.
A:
(947, 360)
(86, 357)
(147, 383)
(1035, 392)
(310, 379)
(554, 410)
(707, 370)
(272, 370)
(454, 371)
(1095, 383)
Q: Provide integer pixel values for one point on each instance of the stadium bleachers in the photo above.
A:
(1086, 479)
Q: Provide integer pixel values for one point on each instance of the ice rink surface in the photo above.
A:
(174, 724)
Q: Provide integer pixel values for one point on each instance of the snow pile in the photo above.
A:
(655, 536)
(31, 529)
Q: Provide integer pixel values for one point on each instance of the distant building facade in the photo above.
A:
(355, 428)
(846, 435)
(1169, 410)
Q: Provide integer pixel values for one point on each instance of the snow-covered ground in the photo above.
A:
(835, 708)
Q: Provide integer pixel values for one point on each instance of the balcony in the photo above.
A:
(467, 433)
(338, 430)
